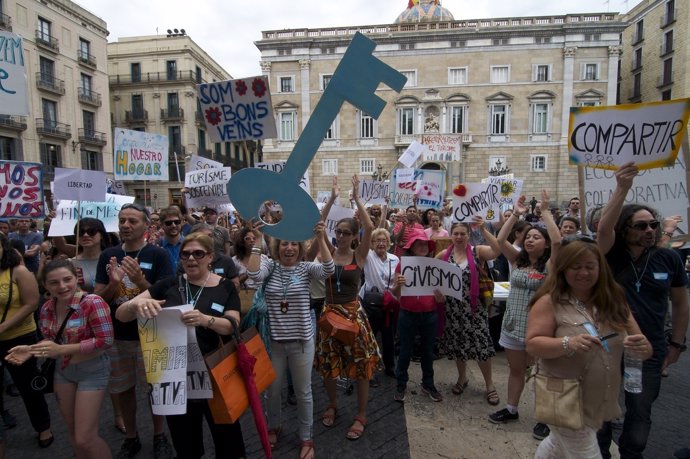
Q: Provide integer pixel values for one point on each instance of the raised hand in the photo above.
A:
(626, 174)
(520, 207)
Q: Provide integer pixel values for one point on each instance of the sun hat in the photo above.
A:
(418, 234)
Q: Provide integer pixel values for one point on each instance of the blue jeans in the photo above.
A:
(638, 415)
(411, 324)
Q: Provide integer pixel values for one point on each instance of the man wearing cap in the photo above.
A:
(222, 243)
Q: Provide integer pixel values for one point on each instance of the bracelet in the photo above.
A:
(210, 322)
(667, 233)
(566, 346)
(256, 250)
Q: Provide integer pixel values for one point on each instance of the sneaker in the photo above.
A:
(433, 393)
(161, 447)
(540, 431)
(503, 416)
(399, 395)
(130, 447)
(8, 419)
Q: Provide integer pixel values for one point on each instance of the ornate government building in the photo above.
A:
(504, 84)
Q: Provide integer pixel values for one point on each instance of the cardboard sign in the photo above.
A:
(115, 187)
(236, 110)
(442, 147)
(140, 156)
(278, 167)
(427, 185)
(199, 162)
(373, 191)
(68, 212)
(21, 190)
(79, 185)
(471, 199)
(336, 214)
(412, 154)
(13, 84)
(509, 188)
(607, 137)
(207, 187)
(424, 275)
(323, 197)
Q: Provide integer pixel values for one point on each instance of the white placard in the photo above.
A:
(68, 212)
(336, 214)
(373, 191)
(140, 156)
(510, 189)
(471, 199)
(79, 185)
(13, 83)
(207, 187)
(278, 167)
(412, 154)
(424, 275)
(442, 147)
(199, 162)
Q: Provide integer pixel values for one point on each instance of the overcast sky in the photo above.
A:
(227, 30)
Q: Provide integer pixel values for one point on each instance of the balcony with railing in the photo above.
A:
(15, 123)
(180, 150)
(45, 41)
(48, 82)
(172, 114)
(180, 76)
(5, 22)
(199, 118)
(91, 137)
(90, 97)
(53, 128)
(86, 58)
(136, 116)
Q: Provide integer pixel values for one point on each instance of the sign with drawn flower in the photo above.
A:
(510, 189)
(471, 199)
(237, 110)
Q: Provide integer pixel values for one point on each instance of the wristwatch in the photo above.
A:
(210, 322)
(667, 233)
(681, 347)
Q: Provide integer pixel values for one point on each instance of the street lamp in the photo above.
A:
(498, 169)
(379, 175)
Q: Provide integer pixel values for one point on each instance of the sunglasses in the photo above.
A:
(197, 254)
(340, 232)
(171, 222)
(642, 226)
(88, 231)
(577, 237)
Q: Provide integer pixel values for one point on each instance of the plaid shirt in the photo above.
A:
(89, 325)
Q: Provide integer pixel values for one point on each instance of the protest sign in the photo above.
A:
(442, 147)
(423, 275)
(68, 212)
(237, 110)
(199, 162)
(510, 189)
(115, 187)
(278, 167)
(404, 174)
(21, 190)
(607, 137)
(324, 196)
(427, 185)
(411, 154)
(207, 187)
(336, 214)
(79, 185)
(13, 99)
(199, 384)
(373, 191)
(476, 199)
(140, 156)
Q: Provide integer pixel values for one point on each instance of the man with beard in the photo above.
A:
(122, 273)
(171, 221)
(630, 236)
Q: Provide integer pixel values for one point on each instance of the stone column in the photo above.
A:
(568, 77)
(611, 89)
(304, 65)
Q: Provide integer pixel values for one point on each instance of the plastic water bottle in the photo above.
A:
(632, 374)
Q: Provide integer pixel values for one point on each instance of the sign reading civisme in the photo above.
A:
(21, 190)
(140, 156)
(424, 275)
(68, 212)
(13, 99)
(207, 187)
(236, 110)
(373, 191)
(607, 137)
(79, 185)
(471, 199)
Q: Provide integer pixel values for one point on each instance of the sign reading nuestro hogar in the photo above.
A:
(649, 134)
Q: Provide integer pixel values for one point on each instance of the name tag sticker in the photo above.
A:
(661, 276)
(75, 323)
(143, 265)
(218, 307)
(219, 271)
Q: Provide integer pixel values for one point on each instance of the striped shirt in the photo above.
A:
(290, 284)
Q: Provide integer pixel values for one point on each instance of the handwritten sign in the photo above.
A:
(114, 187)
(79, 185)
(424, 275)
(199, 385)
(336, 214)
(207, 187)
(13, 84)
(140, 156)
(427, 185)
(510, 189)
(278, 167)
(237, 110)
(442, 147)
(476, 199)
(323, 197)
(199, 162)
(607, 137)
(21, 190)
(374, 192)
(68, 212)
(411, 154)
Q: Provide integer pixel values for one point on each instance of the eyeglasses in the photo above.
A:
(345, 233)
(577, 237)
(171, 222)
(88, 231)
(197, 254)
(642, 226)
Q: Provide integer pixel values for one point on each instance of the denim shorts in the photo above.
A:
(92, 374)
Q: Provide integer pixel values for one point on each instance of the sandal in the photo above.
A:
(459, 388)
(309, 453)
(353, 433)
(328, 417)
(273, 435)
(492, 397)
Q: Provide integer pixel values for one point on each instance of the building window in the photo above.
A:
(51, 157)
(639, 32)
(138, 106)
(84, 50)
(329, 167)
(91, 160)
(670, 13)
(135, 71)
(538, 163)
(171, 70)
(325, 79)
(637, 59)
(44, 27)
(540, 118)
(499, 119)
(175, 139)
(89, 120)
(637, 85)
(667, 77)
(285, 83)
(367, 126)
(542, 72)
(500, 74)
(668, 42)
(458, 119)
(367, 166)
(197, 75)
(47, 68)
(411, 76)
(173, 104)
(8, 149)
(332, 132)
(86, 84)
(49, 113)
(201, 139)
(286, 120)
(406, 120)
(457, 75)
(590, 71)
(666, 95)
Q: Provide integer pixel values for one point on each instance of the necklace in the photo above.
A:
(582, 308)
(638, 277)
(192, 299)
(136, 257)
(284, 305)
(338, 272)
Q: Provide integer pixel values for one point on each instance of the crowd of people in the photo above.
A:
(579, 295)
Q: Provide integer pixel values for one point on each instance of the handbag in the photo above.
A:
(373, 298)
(230, 397)
(486, 285)
(42, 382)
(339, 327)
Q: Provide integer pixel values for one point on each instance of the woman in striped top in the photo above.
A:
(292, 335)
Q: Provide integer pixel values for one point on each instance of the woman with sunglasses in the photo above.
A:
(287, 278)
(579, 322)
(529, 268)
(246, 239)
(214, 299)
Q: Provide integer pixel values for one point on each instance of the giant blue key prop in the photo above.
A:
(355, 80)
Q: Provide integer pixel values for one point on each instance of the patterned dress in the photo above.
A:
(466, 335)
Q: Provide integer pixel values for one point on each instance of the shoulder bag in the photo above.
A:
(42, 382)
(258, 314)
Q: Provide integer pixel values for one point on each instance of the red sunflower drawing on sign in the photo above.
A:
(259, 87)
(241, 87)
(213, 116)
